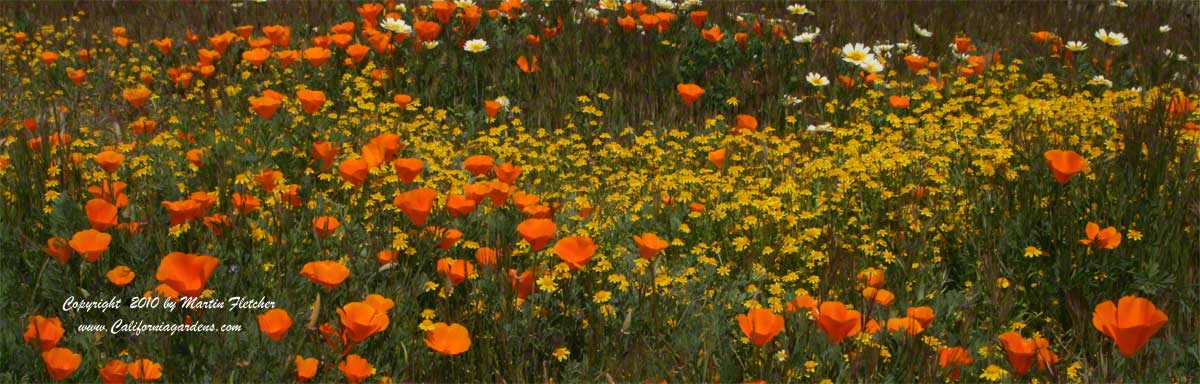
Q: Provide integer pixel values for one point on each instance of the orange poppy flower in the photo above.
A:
(449, 238)
(325, 152)
(264, 106)
(90, 244)
(49, 57)
(962, 44)
(280, 36)
(136, 96)
(101, 214)
(479, 165)
(444, 10)
(76, 76)
(745, 124)
(245, 203)
(287, 58)
(1108, 238)
(689, 92)
(717, 158)
(576, 251)
(838, 321)
(879, 296)
(58, 249)
(1130, 323)
(256, 56)
(370, 13)
(449, 339)
(459, 205)
(760, 325)
(427, 30)
(360, 320)
(275, 323)
(649, 245)
(741, 38)
(801, 302)
(387, 256)
(872, 277)
(537, 232)
(220, 43)
(910, 326)
(354, 171)
(507, 172)
(44, 332)
(522, 284)
(408, 169)
(713, 34)
(268, 179)
(924, 315)
(306, 368)
(1040, 36)
(402, 100)
(698, 18)
(20, 37)
(145, 370)
(356, 369)
(1022, 352)
(186, 273)
(1064, 164)
(486, 257)
(114, 372)
(120, 275)
(529, 65)
(491, 107)
(511, 7)
(311, 100)
(61, 362)
(326, 225)
(1180, 107)
(317, 56)
(416, 204)
(522, 200)
(164, 45)
(898, 102)
(456, 270)
(627, 23)
(954, 358)
(916, 63)
(357, 52)
(327, 273)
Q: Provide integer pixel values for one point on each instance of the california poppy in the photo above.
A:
(898, 102)
(306, 367)
(760, 325)
(136, 96)
(280, 36)
(145, 370)
(1022, 352)
(408, 169)
(924, 315)
(713, 34)
(275, 323)
(838, 321)
(802, 302)
(872, 277)
(953, 358)
(402, 100)
(529, 65)
(1064, 164)
(491, 107)
(627, 23)
(717, 158)
(479, 165)
(1130, 323)
(101, 214)
(90, 244)
(325, 152)
(114, 372)
(962, 44)
(109, 161)
(427, 30)
(909, 325)
(1108, 238)
(311, 100)
(456, 270)
(459, 205)
(354, 171)
(356, 368)
(317, 56)
(186, 273)
(879, 296)
(120, 275)
(327, 273)
(58, 249)
(745, 124)
(361, 320)
(449, 339)
(256, 56)
(485, 256)
(43, 332)
(916, 63)
(649, 245)
(325, 225)
(61, 362)
(264, 106)
(698, 17)
(522, 284)
(416, 204)
(576, 251)
(537, 232)
(689, 92)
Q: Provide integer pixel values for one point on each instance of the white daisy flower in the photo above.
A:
(664, 4)
(1164, 28)
(799, 9)
(1118, 4)
(431, 44)
(856, 53)
(1100, 80)
(807, 37)
(1115, 39)
(820, 128)
(475, 45)
(922, 31)
(1075, 46)
(396, 26)
(817, 80)
(691, 3)
(503, 100)
(609, 5)
(464, 3)
(871, 65)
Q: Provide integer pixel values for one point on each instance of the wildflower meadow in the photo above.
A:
(600, 191)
